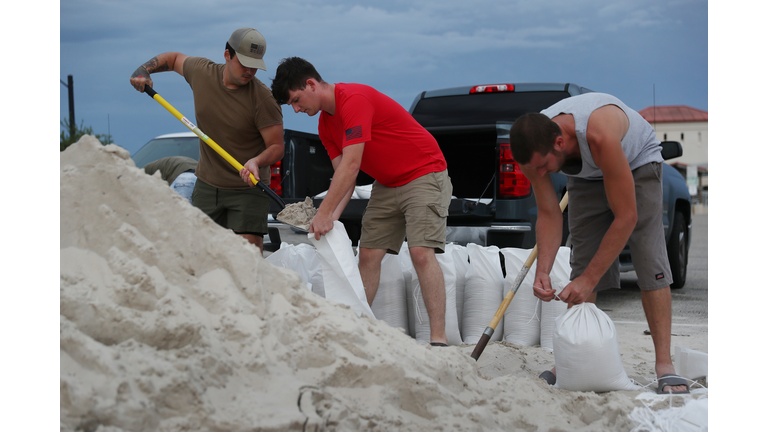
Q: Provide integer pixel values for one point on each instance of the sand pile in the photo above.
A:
(169, 322)
(298, 214)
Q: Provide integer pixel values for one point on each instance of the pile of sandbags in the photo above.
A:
(476, 280)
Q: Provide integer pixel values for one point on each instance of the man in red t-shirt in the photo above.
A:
(363, 129)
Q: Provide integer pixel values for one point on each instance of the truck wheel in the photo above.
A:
(677, 251)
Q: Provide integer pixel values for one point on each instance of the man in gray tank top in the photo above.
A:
(614, 166)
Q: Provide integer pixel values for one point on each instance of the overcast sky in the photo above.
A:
(626, 48)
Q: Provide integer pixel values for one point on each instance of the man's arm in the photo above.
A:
(170, 61)
(345, 199)
(346, 168)
(605, 130)
(273, 138)
(549, 231)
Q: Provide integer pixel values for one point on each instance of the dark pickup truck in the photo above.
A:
(493, 203)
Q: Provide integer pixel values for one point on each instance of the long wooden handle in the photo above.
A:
(486, 337)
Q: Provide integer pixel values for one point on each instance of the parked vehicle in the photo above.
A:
(493, 202)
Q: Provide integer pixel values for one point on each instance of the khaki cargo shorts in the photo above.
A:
(589, 217)
(244, 211)
(416, 211)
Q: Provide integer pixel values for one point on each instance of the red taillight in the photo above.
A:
(274, 182)
(492, 88)
(512, 182)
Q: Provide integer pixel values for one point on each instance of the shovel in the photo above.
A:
(223, 153)
(512, 291)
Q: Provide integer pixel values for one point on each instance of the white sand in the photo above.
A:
(169, 322)
(298, 214)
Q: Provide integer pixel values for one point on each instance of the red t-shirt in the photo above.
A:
(397, 148)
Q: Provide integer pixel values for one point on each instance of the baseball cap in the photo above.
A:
(250, 47)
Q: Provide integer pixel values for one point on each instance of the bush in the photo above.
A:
(67, 139)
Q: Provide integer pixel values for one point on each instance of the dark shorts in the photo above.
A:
(417, 211)
(589, 217)
(241, 210)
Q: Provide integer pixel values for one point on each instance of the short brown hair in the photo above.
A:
(292, 74)
(532, 133)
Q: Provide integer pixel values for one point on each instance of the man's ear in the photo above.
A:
(559, 143)
(226, 55)
(311, 83)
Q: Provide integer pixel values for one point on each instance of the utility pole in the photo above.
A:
(71, 91)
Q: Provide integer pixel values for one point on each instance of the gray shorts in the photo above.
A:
(417, 211)
(589, 217)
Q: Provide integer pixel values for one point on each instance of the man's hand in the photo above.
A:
(140, 78)
(250, 167)
(320, 225)
(576, 292)
(542, 287)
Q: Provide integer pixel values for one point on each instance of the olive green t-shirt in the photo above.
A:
(170, 167)
(232, 119)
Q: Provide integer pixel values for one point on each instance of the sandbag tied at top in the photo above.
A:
(483, 293)
(586, 349)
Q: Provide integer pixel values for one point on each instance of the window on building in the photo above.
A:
(682, 136)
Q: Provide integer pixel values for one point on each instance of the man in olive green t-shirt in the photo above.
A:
(239, 112)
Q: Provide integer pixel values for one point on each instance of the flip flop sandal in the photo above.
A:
(549, 377)
(672, 380)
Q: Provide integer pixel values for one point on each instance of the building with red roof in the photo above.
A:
(681, 123)
(688, 126)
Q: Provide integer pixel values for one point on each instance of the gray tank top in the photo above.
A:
(640, 144)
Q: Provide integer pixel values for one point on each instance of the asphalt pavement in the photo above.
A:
(689, 303)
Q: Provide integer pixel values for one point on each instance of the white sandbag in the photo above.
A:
(522, 319)
(417, 308)
(461, 262)
(309, 262)
(287, 257)
(341, 277)
(550, 311)
(360, 192)
(559, 278)
(691, 417)
(483, 293)
(690, 363)
(586, 349)
(390, 304)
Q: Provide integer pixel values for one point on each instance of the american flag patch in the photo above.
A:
(354, 132)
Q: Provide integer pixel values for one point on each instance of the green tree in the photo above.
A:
(67, 139)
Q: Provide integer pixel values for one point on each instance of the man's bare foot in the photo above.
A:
(661, 370)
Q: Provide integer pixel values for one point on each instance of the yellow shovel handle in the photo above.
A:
(211, 143)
